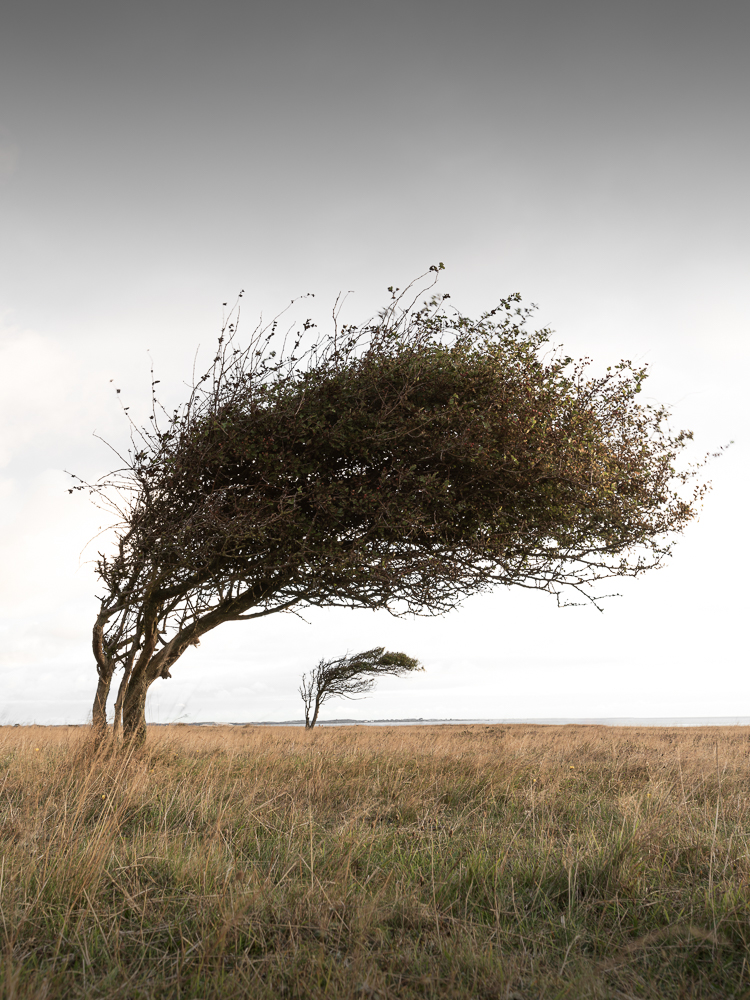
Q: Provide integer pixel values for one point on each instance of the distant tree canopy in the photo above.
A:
(350, 676)
(404, 464)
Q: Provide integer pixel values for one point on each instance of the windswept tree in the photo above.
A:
(349, 677)
(401, 465)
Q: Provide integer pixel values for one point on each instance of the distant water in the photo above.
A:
(708, 720)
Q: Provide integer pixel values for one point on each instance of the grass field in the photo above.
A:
(364, 863)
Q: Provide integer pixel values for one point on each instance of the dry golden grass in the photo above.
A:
(432, 861)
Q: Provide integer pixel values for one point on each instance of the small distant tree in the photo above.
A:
(402, 465)
(349, 677)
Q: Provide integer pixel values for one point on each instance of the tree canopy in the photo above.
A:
(402, 464)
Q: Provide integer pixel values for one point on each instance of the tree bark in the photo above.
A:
(104, 668)
(117, 723)
(315, 714)
(99, 709)
(134, 710)
(138, 681)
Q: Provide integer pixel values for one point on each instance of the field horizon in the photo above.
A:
(622, 722)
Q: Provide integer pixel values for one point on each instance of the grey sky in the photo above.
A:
(156, 158)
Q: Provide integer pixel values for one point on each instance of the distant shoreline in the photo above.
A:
(730, 720)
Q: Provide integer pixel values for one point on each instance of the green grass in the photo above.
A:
(491, 861)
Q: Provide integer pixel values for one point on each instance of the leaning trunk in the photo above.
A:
(117, 724)
(137, 681)
(99, 709)
(104, 668)
(309, 724)
(133, 704)
(134, 710)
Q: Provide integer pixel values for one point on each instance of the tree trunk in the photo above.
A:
(99, 709)
(138, 678)
(315, 715)
(117, 723)
(134, 709)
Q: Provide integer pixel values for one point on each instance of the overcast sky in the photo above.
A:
(155, 158)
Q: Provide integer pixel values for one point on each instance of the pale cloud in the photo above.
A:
(38, 387)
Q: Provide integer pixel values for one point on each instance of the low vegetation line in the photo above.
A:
(508, 861)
